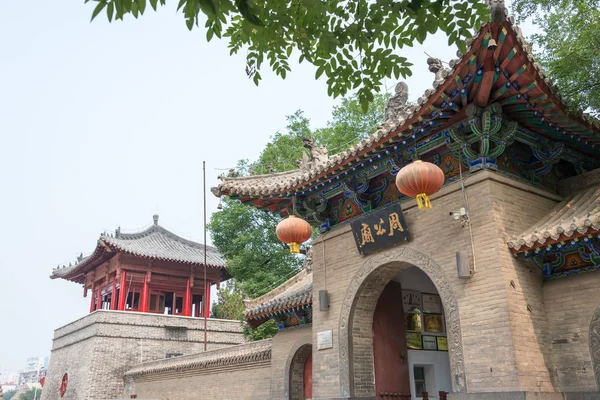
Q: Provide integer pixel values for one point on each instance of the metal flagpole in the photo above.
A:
(206, 287)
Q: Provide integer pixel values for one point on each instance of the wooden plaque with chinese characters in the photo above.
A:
(381, 229)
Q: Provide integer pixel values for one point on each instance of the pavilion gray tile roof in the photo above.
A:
(295, 292)
(245, 353)
(577, 216)
(155, 243)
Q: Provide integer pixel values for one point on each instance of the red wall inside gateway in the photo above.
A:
(308, 377)
(389, 344)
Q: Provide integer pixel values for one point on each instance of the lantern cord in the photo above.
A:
(466, 202)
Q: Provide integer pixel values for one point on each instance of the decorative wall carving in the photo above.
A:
(399, 259)
(595, 345)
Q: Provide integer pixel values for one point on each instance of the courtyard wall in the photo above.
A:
(96, 350)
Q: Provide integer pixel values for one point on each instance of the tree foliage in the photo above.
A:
(349, 125)
(256, 259)
(569, 46)
(9, 395)
(354, 43)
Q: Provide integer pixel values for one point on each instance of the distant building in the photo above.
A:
(35, 369)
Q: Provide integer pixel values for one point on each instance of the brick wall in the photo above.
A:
(97, 349)
(498, 206)
(570, 303)
(516, 210)
(285, 345)
(239, 372)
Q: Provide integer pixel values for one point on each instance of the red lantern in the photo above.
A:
(420, 180)
(293, 231)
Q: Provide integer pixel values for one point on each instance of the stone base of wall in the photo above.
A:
(96, 350)
(526, 396)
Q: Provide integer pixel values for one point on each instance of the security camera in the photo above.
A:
(458, 214)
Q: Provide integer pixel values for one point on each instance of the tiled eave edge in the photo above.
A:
(241, 354)
(97, 258)
(572, 238)
(267, 314)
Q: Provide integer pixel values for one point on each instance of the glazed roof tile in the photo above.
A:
(244, 353)
(155, 243)
(398, 125)
(295, 292)
(578, 216)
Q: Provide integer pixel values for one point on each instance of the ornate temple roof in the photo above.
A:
(241, 354)
(576, 217)
(498, 67)
(296, 292)
(154, 243)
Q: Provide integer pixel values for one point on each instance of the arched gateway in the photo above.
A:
(359, 305)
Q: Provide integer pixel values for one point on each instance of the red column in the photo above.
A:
(92, 300)
(144, 305)
(113, 296)
(207, 299)
(187, 301)
(99, 298)
(122, 291)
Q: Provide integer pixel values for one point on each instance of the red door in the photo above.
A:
(389, 344)
(308, 377)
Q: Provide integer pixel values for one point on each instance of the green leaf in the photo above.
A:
(110, 9)
(141, 6)
(98, 9)
(153, 3)
(244, 9)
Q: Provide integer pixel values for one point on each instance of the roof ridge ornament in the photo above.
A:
(397, 105)
(499, 13)
(155, 218)
(317, 156)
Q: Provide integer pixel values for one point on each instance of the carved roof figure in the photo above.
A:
(435, 66)
(499, 12)
(397, 104)
(233, 173)
(271, 168)
(317, 155)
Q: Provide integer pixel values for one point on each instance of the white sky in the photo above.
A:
(103, 125)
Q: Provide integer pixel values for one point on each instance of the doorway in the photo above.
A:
(356, 350)
(301, 374)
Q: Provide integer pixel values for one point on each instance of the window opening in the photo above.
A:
(178, 305)
(420, 386)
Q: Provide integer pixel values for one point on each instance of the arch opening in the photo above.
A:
(373, 295)
(300, 374)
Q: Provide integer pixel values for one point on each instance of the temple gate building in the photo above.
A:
(491, 294)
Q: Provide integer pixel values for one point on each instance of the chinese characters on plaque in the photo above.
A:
(380, 229)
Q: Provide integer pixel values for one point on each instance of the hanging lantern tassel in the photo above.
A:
(293, 231)
(423, 201)
(420, 180)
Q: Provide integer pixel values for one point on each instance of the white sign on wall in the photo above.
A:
(325, 340)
